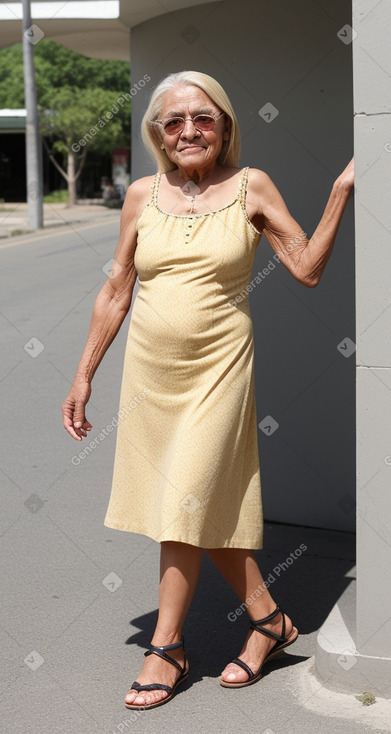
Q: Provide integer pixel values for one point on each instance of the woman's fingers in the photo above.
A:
(76, 431)
(79, 417)
(82, 430)
(73, 412)
(347, 176)
(68, 425)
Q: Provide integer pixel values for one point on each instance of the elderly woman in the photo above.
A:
(186, 470)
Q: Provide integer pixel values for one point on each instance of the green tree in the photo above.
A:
(11, 77)
(78, 121)
(76, 96)
(57, 66)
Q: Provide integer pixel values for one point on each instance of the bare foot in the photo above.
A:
(255, 649)
(156, 670)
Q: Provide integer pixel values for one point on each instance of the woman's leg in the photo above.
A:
(239, 567)
(180, 565)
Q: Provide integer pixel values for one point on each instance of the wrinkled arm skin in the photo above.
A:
(110, 308)
(305, 258)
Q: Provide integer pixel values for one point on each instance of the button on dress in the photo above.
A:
(186, 464)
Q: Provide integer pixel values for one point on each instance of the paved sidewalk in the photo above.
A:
(14, 219)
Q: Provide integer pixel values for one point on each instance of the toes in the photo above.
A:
(140, 700)
(233, 673)
(131, 696)
(150, 697)
(135, 697)
(155, 696)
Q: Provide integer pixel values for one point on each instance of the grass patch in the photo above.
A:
(16, 232)
(56, 197)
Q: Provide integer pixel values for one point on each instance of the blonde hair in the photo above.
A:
(151, 134)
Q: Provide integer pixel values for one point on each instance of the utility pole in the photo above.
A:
(31, 35)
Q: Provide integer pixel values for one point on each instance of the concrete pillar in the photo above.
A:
(354, 645)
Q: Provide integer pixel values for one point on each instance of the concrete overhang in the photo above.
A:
(12, 121)
(96, 28)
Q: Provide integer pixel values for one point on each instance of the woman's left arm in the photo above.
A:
(305, 258)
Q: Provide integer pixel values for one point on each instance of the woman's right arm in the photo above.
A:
(110, 308)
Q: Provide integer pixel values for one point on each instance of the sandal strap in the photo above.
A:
(160, 650)
(172, 646)
(257, 625)
(245, 667)
(150, 687)
(270, 616)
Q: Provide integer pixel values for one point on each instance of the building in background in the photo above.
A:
(13, 165)
(12, 155)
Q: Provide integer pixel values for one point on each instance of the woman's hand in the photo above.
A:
(73, 415)
(346, 178)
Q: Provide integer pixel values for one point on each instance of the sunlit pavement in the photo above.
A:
(14, 217)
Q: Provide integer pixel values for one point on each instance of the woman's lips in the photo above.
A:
(192, 147)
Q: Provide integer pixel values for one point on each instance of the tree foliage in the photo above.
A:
(11, 77)
(77, 101)
(60, 75)
(82, 118)
(57, 66)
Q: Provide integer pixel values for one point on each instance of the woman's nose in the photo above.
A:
(189, 129)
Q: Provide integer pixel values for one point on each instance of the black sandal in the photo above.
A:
(161, 651)
(282, 642)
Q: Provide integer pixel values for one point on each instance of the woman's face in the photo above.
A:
(192, 148)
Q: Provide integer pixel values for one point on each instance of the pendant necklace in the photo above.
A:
(191, 189)
(192, 202)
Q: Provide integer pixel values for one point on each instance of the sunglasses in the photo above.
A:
(175, 125)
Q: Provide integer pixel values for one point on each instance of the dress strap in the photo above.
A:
(155, 186)
(243, 187)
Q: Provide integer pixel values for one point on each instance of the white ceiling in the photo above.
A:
(96, 28)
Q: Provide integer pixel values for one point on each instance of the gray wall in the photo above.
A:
(288, 54)
(372, 129)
